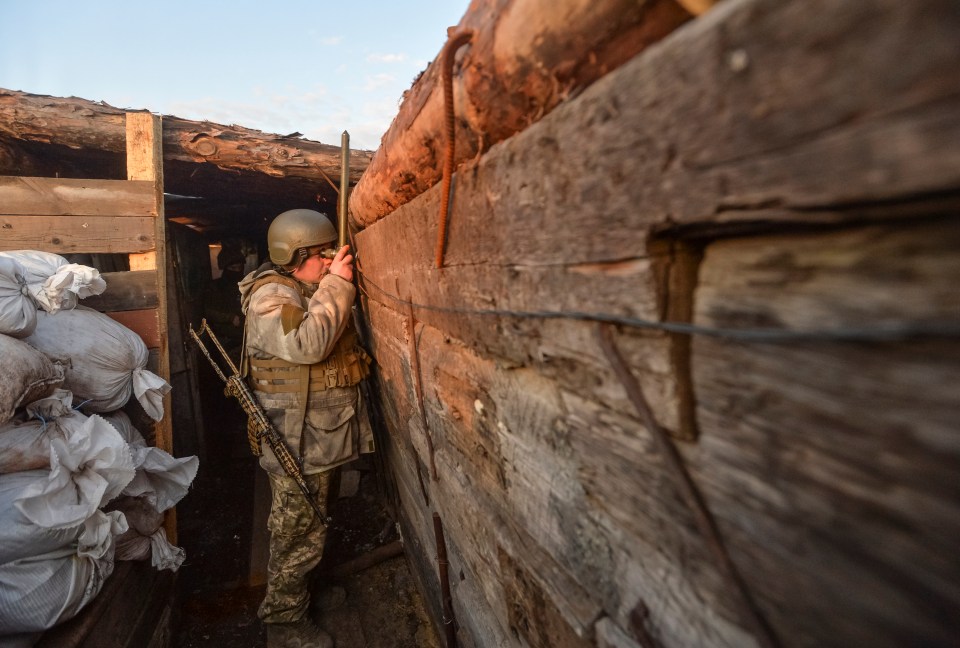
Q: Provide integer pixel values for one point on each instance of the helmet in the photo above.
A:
(229, 256)
(295, 229)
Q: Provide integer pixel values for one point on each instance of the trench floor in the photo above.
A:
(217, 590)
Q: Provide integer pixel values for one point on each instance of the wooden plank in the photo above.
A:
(551, 276)
(126, 291)
(144, 137)
(143, 261)
(68, 197)
(77, 234)
(144, 323)
(827, 463)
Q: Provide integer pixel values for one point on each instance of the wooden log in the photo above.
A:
(82, 124)
(126, 291)
(526, 57)
(649, 133)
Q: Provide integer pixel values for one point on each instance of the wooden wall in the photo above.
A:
(782, 176)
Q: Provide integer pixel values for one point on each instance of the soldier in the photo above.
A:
(304, 365)
(221, 301)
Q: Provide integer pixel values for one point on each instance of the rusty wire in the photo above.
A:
(688, 489)
(454, 43)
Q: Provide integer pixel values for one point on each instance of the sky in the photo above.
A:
(280, 66)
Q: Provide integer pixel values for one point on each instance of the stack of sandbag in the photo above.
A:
(66, 477)
(159, 483)
(56, 544)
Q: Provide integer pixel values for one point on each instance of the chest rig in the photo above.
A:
(345, 366)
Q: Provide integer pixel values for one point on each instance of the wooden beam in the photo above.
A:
(75, 234)
(126, 291)
(82, 124)
(144, 144)
(56, 196)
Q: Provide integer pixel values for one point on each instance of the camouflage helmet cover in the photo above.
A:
(295, 229)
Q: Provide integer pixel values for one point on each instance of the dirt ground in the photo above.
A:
(217, 605)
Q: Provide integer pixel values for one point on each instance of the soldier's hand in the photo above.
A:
(342, 264)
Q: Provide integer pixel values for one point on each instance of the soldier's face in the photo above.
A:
(313, 268)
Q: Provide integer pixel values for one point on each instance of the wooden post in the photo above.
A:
(145, 162)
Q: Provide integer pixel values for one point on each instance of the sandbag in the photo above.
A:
(18, 310)
(87, 470)
(161, 478)
(145, 536)
(25, 439)
(107, 360)
(38, 592)
(26, 375)
(54, 282)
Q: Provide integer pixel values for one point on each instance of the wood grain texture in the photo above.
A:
(67, 197)
(77, 234)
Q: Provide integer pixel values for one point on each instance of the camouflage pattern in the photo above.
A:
(301, 324)
(331, 432)
(296, 546)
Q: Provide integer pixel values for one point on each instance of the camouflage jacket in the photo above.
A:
(303, 327)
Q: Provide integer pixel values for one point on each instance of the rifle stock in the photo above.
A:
(236, 387)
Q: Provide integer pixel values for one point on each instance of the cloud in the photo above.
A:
(377, 81)
(386, 58)
(331, 40)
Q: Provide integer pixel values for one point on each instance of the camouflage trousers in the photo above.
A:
(296, 546)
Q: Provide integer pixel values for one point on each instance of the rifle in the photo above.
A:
(264, 429)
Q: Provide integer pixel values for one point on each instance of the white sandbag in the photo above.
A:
(122, 423)
(25, 440)
(54, 282)
(86, 471)
(38, 592)
(107, 360)
(20, 538)
(18, 310)
(26, 375)
(145, 536)
(163, 554)
(161, 478)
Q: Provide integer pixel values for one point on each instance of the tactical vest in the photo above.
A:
(345, 366)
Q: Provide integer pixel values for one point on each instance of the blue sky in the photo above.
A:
(277, 65)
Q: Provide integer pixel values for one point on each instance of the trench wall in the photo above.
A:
(779, 179)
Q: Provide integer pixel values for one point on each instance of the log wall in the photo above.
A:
(782, 177)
